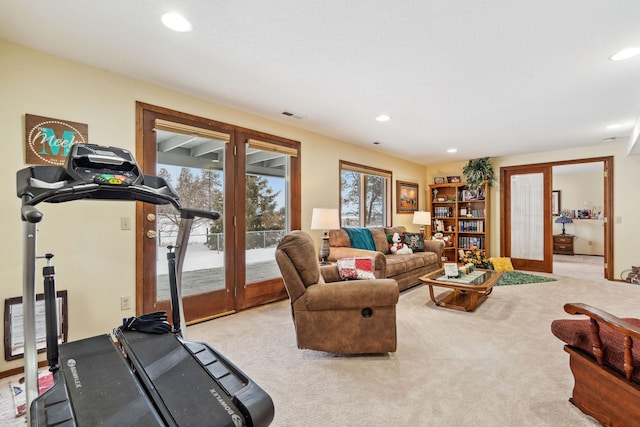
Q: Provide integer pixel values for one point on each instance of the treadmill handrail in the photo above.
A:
(84, 188)
(191, 213)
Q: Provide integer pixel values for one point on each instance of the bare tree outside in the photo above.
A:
(362, 192)
(203, 189)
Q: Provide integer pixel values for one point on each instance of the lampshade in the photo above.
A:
(563, 220)
(325, 219)
(421, 217)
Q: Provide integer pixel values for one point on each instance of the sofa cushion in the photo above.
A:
(356, 268)
(380, 240)
(339, 238)
(415, 241)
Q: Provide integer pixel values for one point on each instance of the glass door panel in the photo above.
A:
(527, 221)
(267, 214)
(526, 214)
(192, 160)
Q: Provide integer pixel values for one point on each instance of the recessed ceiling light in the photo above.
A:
(614, 126)
(452, 150)
(627, 53)
(176, 22)
(383, 118)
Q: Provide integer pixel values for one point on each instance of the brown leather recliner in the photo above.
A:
(346, 317)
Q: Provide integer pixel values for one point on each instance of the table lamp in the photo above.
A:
(563, 219)
(422, 218)
(325, 219)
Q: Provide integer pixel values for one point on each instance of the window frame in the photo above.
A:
(372, 171)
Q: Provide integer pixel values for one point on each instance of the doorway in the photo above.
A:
(579, 214)
(541, 231)
(250, 178)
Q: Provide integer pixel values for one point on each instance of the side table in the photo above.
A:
(563, 244)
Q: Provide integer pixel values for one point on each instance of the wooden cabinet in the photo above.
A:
(563, 244)
(462, 215)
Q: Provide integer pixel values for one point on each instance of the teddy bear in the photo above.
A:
(397, 246)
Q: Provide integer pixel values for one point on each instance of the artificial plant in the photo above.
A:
(477, 171)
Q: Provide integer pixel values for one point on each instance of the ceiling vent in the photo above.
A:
(295, 116)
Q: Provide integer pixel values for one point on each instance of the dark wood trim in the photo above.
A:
(20, 370)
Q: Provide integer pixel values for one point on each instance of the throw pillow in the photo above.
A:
(356, 268)
(415, 241)
(501, 264)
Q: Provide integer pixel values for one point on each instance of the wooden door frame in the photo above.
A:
(272, 290)
(608, 207)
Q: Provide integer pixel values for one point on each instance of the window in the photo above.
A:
(365, 196)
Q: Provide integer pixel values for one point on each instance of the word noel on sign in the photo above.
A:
(48, 141)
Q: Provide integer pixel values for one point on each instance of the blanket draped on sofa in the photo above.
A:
(361, 238)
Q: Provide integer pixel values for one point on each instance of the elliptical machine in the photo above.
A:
(147, 379)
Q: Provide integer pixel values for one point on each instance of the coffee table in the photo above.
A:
(464, 297)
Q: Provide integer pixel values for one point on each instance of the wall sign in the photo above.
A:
(48, 141)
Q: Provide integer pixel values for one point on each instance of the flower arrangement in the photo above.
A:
(477, 257)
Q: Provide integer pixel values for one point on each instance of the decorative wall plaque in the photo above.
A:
(48, 141)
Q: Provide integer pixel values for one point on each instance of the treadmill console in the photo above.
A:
(93, 172)
(103, 165)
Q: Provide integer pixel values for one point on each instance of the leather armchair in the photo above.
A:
(346, 317)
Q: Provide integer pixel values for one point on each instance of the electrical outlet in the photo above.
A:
(125, 303)
(125, 223)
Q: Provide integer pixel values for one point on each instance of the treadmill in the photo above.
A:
(133, 378)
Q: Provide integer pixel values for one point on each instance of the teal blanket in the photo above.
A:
(361, 238)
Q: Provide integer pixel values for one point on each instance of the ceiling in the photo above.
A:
(489, 78)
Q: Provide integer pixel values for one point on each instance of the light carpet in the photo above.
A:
(497, 366)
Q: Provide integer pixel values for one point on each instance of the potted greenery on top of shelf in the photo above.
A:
(477, 171)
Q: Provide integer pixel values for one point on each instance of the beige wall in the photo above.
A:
(94, 259)
(626, 230)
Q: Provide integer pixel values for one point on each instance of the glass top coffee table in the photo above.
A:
(463, 296)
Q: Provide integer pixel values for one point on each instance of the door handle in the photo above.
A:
(151, 234)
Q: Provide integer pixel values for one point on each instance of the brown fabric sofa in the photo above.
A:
(404, 269)
(347, 317)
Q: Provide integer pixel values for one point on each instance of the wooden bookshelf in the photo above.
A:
(460, 214)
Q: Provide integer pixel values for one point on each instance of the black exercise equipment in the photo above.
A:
(154, 376)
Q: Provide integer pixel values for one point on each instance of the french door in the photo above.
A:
(526, 217)
(229, 263)
(526, 220)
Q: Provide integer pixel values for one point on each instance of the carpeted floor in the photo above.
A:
(497, 366)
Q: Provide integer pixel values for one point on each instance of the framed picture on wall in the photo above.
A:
(555, 203)
(406, 197)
